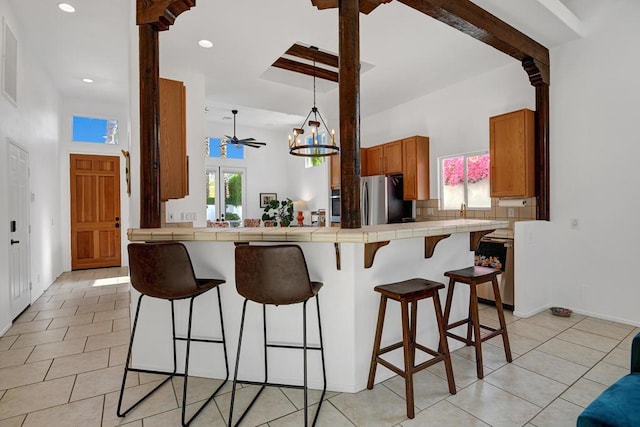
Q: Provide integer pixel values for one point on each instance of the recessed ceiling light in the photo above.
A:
(66, 7)
(87, 80)
(205, 43)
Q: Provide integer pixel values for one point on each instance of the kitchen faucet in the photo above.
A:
(463, 210)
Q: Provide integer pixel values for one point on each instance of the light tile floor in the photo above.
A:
(61, 365)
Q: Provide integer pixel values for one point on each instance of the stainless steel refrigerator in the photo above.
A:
(381, 200)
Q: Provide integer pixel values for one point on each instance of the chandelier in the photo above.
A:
(322, 142)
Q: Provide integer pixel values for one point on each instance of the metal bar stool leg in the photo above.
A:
(119, 411)
(324, 370)
(235, 374)
(304, 363)
(224, 341)
(186, 370)
(186, 422)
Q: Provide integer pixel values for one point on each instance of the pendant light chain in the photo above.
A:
(316, 148)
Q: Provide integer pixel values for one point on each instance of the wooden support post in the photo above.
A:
(149, 123)
(152, 16)
(539, 78)
(349, 75)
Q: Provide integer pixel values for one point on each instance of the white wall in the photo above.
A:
(456, 119)
(33, 125)
(594, 179)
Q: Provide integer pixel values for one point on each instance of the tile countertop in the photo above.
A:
(367, 234)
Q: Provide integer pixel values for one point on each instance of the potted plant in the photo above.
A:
(279, 211)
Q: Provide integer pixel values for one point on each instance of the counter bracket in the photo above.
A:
(430, 243)
(370, 250)
(475, 236)
(336, 246)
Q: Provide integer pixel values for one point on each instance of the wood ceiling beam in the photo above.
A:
(310, 70)
(366, 6)
(161, 14)
(313, 54)
(476, 22)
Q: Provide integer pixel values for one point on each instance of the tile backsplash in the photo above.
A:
(428, 210)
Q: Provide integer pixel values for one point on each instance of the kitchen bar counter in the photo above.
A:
(366, 234)
(374, 237)
(347, 300)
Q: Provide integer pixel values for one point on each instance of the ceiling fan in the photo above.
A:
(249, 142)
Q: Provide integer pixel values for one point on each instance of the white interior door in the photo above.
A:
(226, 194)
(19, 286)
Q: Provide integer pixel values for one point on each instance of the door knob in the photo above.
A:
(117, 225)
(13, 242)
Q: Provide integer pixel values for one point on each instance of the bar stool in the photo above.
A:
(164, 270)
(276, 275)
(410, 292)
(474, 276)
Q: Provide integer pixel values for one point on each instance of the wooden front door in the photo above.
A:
(95, 211)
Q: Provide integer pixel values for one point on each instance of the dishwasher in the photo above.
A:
(496, 253)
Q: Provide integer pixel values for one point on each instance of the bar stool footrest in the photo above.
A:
(209, 340)
(294, 346)
(458, 323)
(437, 357)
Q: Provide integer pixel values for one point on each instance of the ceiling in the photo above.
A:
(408, 54)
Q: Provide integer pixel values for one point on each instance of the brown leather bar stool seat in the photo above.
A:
(163, 270)
(474, 276)
(409, 292)
(276, 275)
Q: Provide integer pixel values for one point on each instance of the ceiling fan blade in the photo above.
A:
(248, 144)
(231, 138)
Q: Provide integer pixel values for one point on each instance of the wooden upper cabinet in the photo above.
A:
(174, 178)
(334, 165)
(375, 162)
(363, 161)
(511, 149)
(415, 168)
(392, 157)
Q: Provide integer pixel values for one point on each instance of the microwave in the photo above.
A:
(335, 205)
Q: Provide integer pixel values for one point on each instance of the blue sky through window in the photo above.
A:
(229, 151)
(95, 130)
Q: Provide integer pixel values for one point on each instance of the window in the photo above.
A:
(229, 182)
(465, 179)
(215, 148)
(95, 129)
(310, 162)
